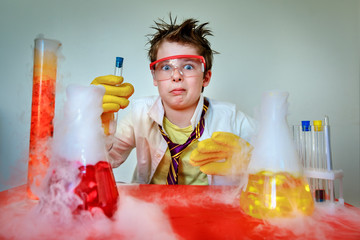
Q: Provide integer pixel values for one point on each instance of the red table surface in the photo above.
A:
(198, 212)
(201, 217)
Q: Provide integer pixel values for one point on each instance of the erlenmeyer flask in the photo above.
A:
(276, 186)
(82, 142)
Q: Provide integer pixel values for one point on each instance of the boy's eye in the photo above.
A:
(166, 67)
(188, 67)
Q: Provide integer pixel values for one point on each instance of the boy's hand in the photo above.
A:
(116, 92)
(222, 154)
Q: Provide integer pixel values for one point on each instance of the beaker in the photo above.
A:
(79, 138)
(276, 186)
(42, 110)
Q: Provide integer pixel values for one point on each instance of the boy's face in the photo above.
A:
(179, 92)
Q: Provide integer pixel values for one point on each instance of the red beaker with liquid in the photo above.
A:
(79, 138)
(97, 188)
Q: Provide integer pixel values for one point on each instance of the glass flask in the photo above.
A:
(81, 140)
(276, 185)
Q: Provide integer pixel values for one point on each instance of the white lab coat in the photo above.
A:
(139, 129)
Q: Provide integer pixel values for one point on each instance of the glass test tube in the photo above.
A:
(306, 130)
(109, 119)
(298, 140)
(319, 160)
(330, 185)
(306, 148)
(117, 72)
(42, 110)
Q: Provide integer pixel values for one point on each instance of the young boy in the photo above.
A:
(166, 129)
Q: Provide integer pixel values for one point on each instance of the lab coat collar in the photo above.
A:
(197, 114)
(156, 111)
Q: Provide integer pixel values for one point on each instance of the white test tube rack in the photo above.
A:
(319, 172)
(331, 176)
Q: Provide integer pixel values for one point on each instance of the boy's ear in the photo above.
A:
(207, 78)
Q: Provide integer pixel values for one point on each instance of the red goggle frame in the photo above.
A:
(178, 56)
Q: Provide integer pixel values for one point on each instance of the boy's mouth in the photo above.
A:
(177, 91)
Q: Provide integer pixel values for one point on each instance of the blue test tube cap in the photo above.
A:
(306, 126)
(119, 62)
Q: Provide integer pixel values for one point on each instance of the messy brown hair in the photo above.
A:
(188, 32)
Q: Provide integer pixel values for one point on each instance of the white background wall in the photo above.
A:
(309, 48)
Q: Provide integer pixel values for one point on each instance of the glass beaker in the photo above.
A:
(276, 186)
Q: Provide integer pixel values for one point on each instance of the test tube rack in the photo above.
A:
(313, 146)
(330, 176)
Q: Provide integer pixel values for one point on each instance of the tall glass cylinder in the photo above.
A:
(42, 110)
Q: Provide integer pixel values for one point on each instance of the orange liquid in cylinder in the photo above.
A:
(42, 114)
(98, 188)
(270, 195)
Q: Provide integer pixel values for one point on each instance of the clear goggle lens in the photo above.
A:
(187, 66)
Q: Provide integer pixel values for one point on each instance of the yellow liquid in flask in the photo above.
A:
(271, 195)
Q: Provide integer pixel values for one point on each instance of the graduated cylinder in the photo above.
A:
(42, 110)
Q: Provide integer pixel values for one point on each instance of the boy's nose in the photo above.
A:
(177, 75)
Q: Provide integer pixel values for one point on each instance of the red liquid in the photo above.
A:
(42, 112)
(97, 188)
(41, 129)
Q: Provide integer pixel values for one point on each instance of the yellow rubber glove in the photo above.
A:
(222, 154)
(115, 97)
(116, 92)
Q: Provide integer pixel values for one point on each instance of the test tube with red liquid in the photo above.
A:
(42, 110)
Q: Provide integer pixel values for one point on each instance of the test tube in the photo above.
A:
(308, 150)
(118, 66)
(306, 130)
(327, 143)
(117, 72)
(331, 192)
(109, 119)
(318, 156)
(42, 110)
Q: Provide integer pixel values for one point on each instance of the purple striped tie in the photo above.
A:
(177, 149)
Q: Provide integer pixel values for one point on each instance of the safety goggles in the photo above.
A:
(187, 66)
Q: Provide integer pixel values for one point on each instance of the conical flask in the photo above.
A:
(276, 185)
(81, 141)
